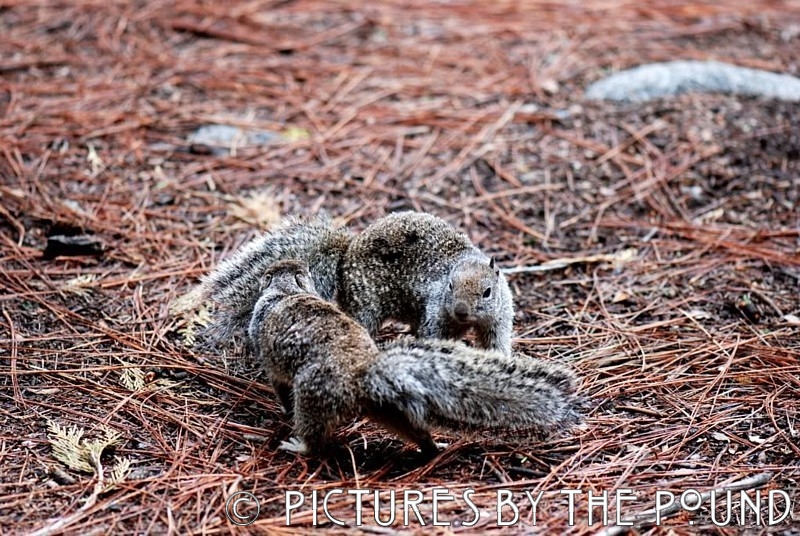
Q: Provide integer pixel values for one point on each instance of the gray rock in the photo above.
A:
(656, 80)
(229, 136)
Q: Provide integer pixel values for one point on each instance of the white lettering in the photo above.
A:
(504, 499)
(467, 494)
(623, 495)
(787, 505)
(572, 493)
(440, 494)
(293, 506)
(407, 502)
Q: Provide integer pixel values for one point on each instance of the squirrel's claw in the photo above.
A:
(295, 445)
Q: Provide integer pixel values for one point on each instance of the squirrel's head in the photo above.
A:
(472, 290)
(287, 277)
(280, 280)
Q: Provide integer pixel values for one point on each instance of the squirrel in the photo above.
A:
(326, 369)
(416, 268)
(410, 266)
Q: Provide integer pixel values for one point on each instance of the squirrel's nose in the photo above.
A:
(460, 310)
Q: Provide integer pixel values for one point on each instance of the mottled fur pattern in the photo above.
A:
(416, 268)
(450, 385)
(329, 370)
(234, 285)
(410, 266)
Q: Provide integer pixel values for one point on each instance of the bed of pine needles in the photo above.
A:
(654, 247)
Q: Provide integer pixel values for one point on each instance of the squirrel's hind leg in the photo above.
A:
(311, 429)
(317, 412)
(422, 438)
(284, 392)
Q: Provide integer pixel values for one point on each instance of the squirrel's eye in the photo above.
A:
(266, 281)
(487, 292)
(301, 281)
(450, 286)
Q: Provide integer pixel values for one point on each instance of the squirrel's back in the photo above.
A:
(302, 329)
(234, 285)
(408, 242)
(392, 267)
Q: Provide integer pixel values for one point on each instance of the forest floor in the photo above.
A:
(674, 226)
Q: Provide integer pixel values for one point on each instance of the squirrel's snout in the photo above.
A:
(461, 311)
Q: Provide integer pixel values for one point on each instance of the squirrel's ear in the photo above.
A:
(493, 265)
(265, 281)
(303, 281)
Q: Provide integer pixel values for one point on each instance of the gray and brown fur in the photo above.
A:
(234, 285)
(410, 266)
(416, 268)
(327, 368)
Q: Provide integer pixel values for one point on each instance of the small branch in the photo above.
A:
(537, 268)
(621, 257)
(643, 411)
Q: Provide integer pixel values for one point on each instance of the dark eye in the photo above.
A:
(487, 292)
(266, 281)
(450, 286)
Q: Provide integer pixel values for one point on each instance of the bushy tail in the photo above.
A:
(234, 285)
(449, 385)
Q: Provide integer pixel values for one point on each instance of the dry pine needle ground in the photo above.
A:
(672, 227)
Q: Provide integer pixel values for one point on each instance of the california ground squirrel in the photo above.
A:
(416, 268)
(410, 266)
(333, 370)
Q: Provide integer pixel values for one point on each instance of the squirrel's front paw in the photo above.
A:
(295, 445)
(442, 444)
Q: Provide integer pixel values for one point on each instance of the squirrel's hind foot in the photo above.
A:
(298, 446)
(432, 449)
